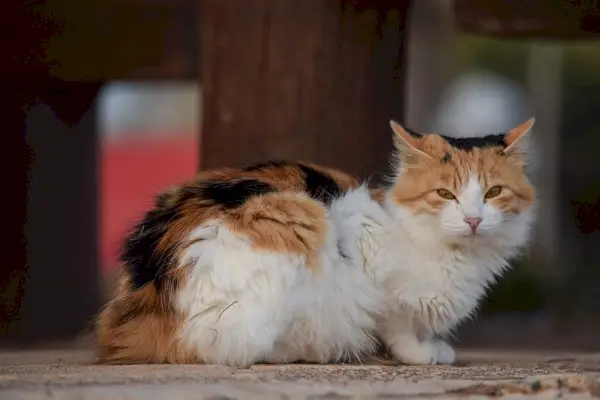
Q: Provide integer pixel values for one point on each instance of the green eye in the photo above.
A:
(445, 194)
(493, 192)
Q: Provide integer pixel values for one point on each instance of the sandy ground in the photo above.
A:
(69, 374)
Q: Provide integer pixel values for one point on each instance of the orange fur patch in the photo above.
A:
(378, 194)
(446, 167)
(281, 178)
(282, 222)
(141, 326)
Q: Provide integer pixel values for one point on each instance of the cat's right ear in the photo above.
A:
(518, 139)
(405, 143)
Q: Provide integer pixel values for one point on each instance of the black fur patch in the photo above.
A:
(144, 263)
(139, 253)
(266, 165)
(320, 186)
(446, 159)
(468, 144)
(233, 193)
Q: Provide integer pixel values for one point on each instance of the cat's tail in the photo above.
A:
(289, 222)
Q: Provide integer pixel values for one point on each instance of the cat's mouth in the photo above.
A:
(470, 235)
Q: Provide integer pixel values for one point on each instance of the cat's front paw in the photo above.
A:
(415, 353)
(444, 352)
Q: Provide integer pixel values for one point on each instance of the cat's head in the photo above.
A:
(465, 190)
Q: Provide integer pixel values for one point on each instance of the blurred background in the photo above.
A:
(111, 102)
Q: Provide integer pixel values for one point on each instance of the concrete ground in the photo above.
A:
(69, 374)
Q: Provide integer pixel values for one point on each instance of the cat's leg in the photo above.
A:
(284, 353)
(410, 343)
(245, 271)
(445, 353)
(405, 344)
(408, 349)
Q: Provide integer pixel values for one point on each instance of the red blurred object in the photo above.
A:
(133, 171)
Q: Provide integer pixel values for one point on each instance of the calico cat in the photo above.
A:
(283, 262)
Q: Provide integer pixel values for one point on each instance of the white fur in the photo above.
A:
(409, 279)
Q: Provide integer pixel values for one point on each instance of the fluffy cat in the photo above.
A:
(284, 262)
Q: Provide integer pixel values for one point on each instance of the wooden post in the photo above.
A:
(545, 85)
(429, 29)
(553, 242)
(314, 80)
(55, 284)
(13, 109)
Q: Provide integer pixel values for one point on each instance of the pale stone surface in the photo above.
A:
(69, 374)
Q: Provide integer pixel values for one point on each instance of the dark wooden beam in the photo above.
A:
(51, 279)
(534, 19)
(99, 40)
(314, 80)
(13, 171)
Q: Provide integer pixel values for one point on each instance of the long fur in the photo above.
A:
(285, 262)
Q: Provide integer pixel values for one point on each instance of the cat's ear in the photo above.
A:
(518, 139)
(405, 143)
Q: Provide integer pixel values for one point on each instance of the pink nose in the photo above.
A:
(473, 223)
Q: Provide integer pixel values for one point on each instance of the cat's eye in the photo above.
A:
(445, 194)
(493, 192)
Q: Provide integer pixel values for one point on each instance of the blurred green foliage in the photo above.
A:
(517, 290)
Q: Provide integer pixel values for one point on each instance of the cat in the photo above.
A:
(287, 262)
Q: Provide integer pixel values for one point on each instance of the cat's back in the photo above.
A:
(228, 188)
(320, 182)
(259, 201)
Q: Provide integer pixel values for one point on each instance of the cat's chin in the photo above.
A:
(467, 239)
(460, 234)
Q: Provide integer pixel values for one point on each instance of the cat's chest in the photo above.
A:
(443, 281)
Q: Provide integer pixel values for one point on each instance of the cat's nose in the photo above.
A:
(473, 222)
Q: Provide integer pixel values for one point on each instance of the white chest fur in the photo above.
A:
(428, 285)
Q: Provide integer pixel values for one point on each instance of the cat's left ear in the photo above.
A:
(407, 145)
(518, 139)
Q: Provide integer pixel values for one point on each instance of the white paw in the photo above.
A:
(415, 353)
(445, 352)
